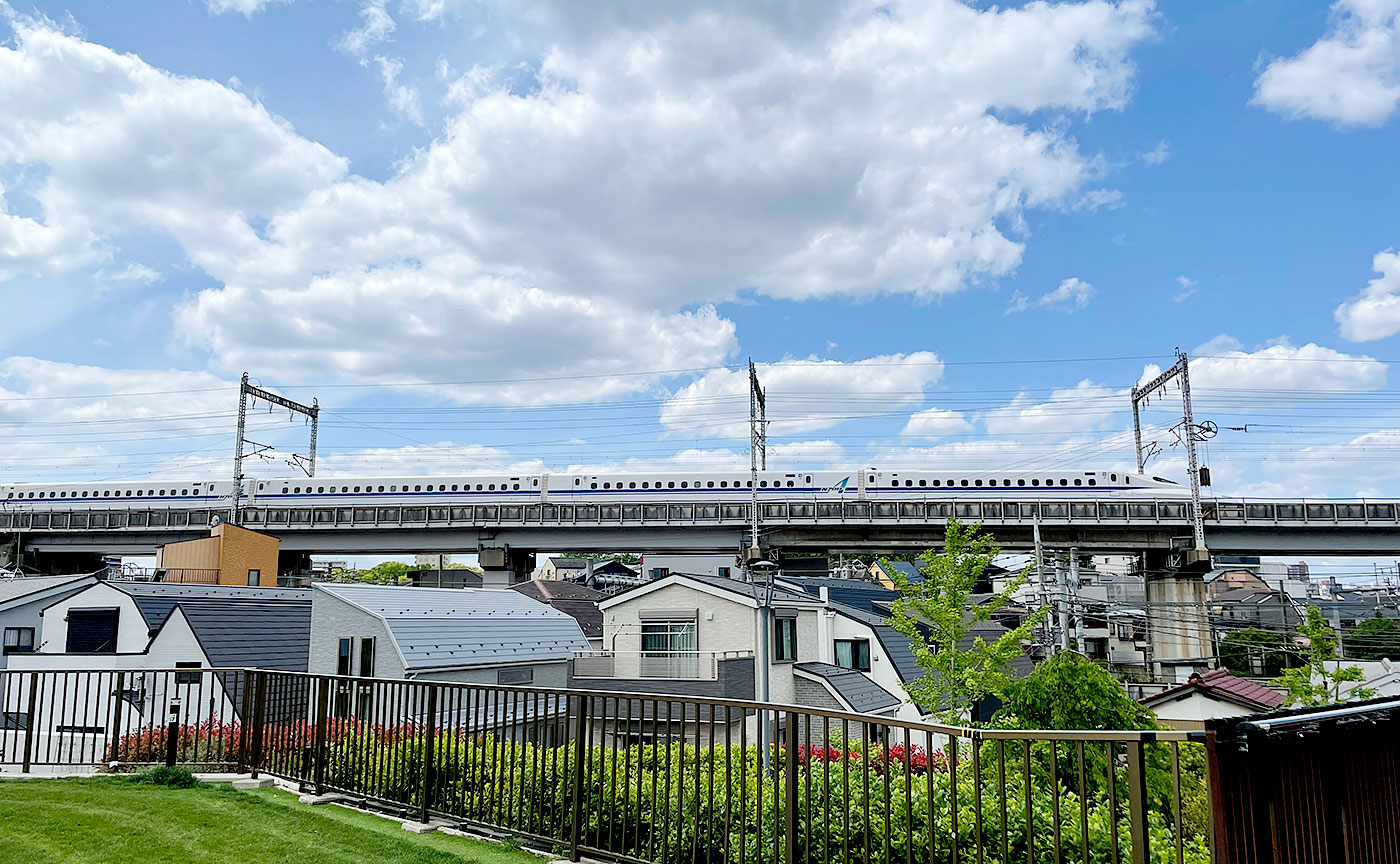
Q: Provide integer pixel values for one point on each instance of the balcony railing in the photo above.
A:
(679, 665)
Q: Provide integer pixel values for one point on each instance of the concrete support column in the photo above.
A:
(1178, 622)
(502, 566)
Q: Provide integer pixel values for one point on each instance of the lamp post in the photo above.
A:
(762, 575)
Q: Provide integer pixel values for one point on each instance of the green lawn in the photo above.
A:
(111, 821)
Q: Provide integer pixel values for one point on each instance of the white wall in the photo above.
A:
(882, 669)
(700, 565)
(133, 634)
(1193, 710)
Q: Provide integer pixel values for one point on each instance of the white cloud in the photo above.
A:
(934, 423)
(423, 460)
(1222, 363)
(1159, 154)
(1375, 312)
(663, 158)
(246, 8)
(402, 98)
(1073, 293)
(1187, 287)
(786, 456)
(1351, 76)
(802, 395)
(1082, 408)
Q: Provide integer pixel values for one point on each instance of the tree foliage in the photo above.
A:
(1316, 683)
(383, 573)
(1256, 651)
(1070, 691)
(937, 615)
(1376, 639)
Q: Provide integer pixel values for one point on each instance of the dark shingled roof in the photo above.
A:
(852, 592)
(780, 594)
(1220, 684)
(156, 599)
(548, 590)
(266, 634)
(858, 691)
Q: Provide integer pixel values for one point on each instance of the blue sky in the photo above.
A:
(950, 234)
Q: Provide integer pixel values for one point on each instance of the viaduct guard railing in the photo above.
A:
(661, 778)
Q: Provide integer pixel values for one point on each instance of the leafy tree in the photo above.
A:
(1070, 691)
(1315, 683)
(937, 615)
(383, 573)
(1376, 639)
(1256, 651)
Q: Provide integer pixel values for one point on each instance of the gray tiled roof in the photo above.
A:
(438, 628)
(266, 634)
(780, 593)
(855, 689)
(25, 586)
(156, 599)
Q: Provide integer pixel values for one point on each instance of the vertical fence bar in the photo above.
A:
(580, 739)
(322, 712)
(790, 791)
(1109, 752)
(117, 679)
(429, 745)
(1030, 816)
(31, 720)
(1055, 796)
(1137, 800)
(953, 794)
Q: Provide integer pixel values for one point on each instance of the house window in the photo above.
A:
(515, 676)
(342, 659)
(254, 577)
(660, 572)
(188, 677)
(723, 572)
(785, 640)
(367, 657)
(661, 638)
(92, 631)
(853, 654)
(19, 640)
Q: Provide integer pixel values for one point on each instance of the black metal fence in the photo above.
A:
(644, 778)
(1308, 786)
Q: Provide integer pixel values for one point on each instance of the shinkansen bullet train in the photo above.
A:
(864, 484)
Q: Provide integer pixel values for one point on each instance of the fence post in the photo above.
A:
(790, 793)
(580, 741)
(245, 710)
(172, 731)
(259, 695)
(118, 680)
(428, 755)
(322, 710)
(30, 720)
(1137, 800)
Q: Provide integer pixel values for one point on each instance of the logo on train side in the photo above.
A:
(839, 487)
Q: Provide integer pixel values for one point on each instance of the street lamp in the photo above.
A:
(762, 575)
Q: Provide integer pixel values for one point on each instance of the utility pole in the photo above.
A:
(1180, 369)
(1042, 591)
(1078, 604)
(758, 422)
(1061, 604)
(246, 390)
(754, 564)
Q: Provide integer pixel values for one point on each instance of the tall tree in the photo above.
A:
(937, 615)
(1070, 691)
(1377, 638)
(1316, 683)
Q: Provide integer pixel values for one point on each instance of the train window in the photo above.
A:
(607, 485)
(107, 493)
(908, 482)
(977, 483)
(491, 487)
(577, 481)
(923, 482)
(478, 486)
(670, 484)
(789, 484)
(1077, 482)
(138, 494)
(184, 491)
(685, 484)
(534, 482)
(992, 482)
(454, 488)
(632, 485)
(1018, 483)
(1033, 482)
(515, 485)
(763, 483)
(1113, 477)
(320, 490)
(809, 478)
(284, 490)
(1093, 482)
(63, 494)
(381, 488)
(709, 484)
(724, 484)
(395, 488)
(415, 488)
(357, 488)
(646, 484)
(894, 482)
(938, 482)
(1064, 482)
(590, 485)
(962, 482)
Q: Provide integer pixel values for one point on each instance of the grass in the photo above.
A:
(115, 821)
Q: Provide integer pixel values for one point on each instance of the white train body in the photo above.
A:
(862, 484)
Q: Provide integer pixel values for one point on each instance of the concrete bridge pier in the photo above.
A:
(1177, 618)
(502, 566)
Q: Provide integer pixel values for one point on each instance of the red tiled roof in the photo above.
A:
(1220, 684)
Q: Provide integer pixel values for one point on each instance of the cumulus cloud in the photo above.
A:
(662, 158)
(804, 395)
(1186, 286)
(934, 423)
(1084, 407)
(246, 8)
(1351, 76)
(1223, 363)
(1375, 312)
(785, 456)
(1157, 155)
(1073, 293)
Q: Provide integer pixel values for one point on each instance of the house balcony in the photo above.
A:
(718, 674)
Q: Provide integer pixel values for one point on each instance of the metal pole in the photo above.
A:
(1078, 605)
(1061, 605)
(1192, 467)
(315, 418)
(172, 732)
(1137, 432)
(764, 639)
(238, 448)
(1137, 801)
(1042, 589)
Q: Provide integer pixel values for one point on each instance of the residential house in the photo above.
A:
(1211, 696)
(654, 567)
(148, 630)
(22, 600)
(577, 601)
(556, 568)
(470, 635)
(1221, 580)
(230, 555)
